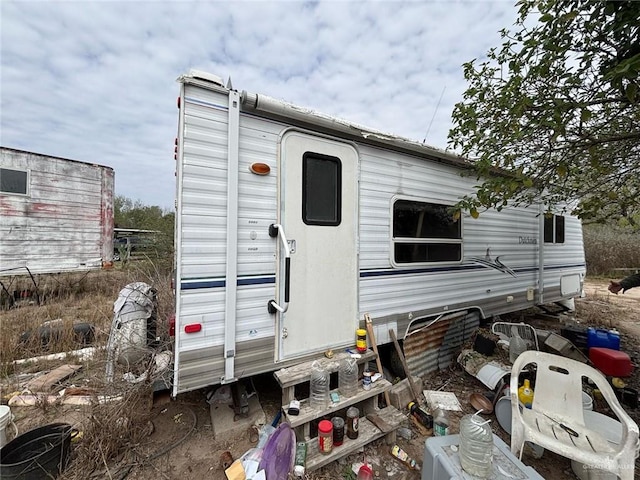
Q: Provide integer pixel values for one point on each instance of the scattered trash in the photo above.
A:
(559, 345)
(405, 433)
(526, 332)
(489, 372)
(401, 455)
(599, 337)
(226, 459)
(440, 423)
(611, 362)
(81, 355)
(443, 400)
(418, 413)
(485, 342)
(133, 329)
(300, 459)
(55, 330)
(481, 402)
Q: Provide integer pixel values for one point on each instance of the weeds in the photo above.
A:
(111, 431)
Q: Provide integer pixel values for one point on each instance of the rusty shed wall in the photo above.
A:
(63, 223)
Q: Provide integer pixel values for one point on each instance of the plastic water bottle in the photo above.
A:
(440, 423)
(348, 377)
(476, 446)
(319, 387)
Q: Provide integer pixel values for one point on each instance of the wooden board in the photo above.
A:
(301, 372)
(307, 414)
(367, 432)
(48, 381)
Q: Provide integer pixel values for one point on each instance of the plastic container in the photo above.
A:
(338, 430)
(319, 387)
(423, 417)
(366, 380)
(525, 394)
(348, 377)
(5, 419)
(599, 337)
(365, 473)
(265, 432)
(517, 345)
(611, 362)
(476, 446)
(325, 436)
(353, 420)
(39, 453)
(300, 460)
(440, 423)
(587, 401)
(361, 340)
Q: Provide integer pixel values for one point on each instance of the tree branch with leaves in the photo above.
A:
(556, 109)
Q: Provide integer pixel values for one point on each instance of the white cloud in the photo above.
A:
(95, 81)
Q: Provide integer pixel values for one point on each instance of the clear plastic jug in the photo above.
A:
(476, 446)
(319, 386)
(348, 377)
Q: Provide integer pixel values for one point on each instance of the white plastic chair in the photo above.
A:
(558, 400)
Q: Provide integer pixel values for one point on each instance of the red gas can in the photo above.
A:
(611, 362)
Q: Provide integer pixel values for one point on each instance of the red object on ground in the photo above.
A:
(611, 362)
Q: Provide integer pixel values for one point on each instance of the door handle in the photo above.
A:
(276, 230)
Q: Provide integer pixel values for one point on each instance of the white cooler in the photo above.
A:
(442, 462)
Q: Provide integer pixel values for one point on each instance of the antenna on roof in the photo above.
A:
(434, 114)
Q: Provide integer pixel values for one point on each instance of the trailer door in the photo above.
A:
(318, 207)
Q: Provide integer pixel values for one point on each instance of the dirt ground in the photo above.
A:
(181, 443)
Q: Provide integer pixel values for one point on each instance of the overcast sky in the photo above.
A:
(95, 80)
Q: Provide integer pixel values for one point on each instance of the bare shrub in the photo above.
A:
(607, 248)
(112, 430)
(113, 433)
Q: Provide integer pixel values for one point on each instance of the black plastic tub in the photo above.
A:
(38, 454)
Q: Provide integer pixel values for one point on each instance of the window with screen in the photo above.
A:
(425, 233)
(13, 181)
(321, 189)
(553, 229)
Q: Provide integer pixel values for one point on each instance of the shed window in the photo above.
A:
(425, 232)
(13, 181)
(321, 189)
(553, 229)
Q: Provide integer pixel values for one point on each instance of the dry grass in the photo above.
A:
(112, 431)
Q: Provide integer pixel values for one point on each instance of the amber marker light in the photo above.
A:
(260, 168)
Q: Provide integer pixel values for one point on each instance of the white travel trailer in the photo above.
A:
(56, 214)
(291, 225)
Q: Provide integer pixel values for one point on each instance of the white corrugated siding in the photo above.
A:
(388, 298)
(202, 244)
